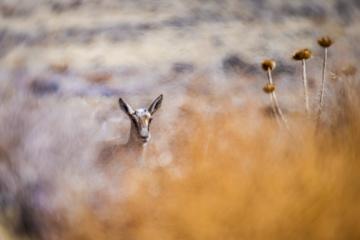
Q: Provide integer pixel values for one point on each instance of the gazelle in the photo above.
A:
(139, 133)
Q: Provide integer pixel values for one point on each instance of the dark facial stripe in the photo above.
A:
(134, 122)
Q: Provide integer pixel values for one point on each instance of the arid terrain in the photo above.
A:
(218, 165)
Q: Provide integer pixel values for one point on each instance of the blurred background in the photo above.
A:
(217, 166)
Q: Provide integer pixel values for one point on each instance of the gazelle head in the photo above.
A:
(141, 118)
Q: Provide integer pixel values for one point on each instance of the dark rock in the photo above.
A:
(283, 67)
(59, 6)
(180, 22)
(146, 26)
(345, 11)
(7, 11)
(235, 64)
(75, 4)
(182, 68)
(42, 87)
(312, 11)
(108, 92)
(356, 3)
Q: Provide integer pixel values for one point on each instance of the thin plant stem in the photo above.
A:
(277, 106)
(274, 109)
(269, 76)
(280, 112)
(322, 89)
(272, 99)
(305, 91)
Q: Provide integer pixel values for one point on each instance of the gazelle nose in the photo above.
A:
(144, 133)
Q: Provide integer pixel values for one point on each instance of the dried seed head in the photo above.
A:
(325, 42)
(268, 64)
(349, 70)
(269, 88)
(302, 54)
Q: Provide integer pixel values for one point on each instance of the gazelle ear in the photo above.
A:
(125, 107)
(155, 105)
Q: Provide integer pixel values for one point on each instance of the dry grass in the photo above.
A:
(258, 186)
(236, 180)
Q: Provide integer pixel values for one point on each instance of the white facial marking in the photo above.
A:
(142, 118)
